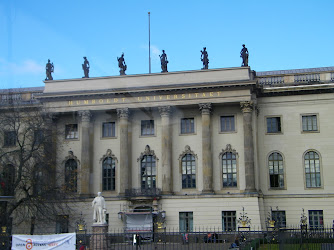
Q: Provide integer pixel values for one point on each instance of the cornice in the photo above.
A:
(146, 89)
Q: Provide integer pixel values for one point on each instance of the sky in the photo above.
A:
(279, 35)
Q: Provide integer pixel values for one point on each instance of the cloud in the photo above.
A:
(26, 67)
(155, 52)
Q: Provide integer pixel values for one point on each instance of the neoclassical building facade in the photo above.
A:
(196, 148)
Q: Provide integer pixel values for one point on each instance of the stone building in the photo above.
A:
(191, 149)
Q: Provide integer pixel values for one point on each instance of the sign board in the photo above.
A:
(35, 242)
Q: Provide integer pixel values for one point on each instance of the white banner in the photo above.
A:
(52, 241)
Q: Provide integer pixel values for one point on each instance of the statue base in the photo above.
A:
(99, 238)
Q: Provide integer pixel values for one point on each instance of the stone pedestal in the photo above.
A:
(98, 240)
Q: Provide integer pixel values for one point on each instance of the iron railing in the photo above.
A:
(272, 238)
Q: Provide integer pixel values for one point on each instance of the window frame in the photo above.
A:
(109, 180)
(39, 136)
(193, 127)
(151, 177)
(188, 217)
(113, 130)
(193, 167)
(302, 124)
(235, 155)
(69, 175)
(67, 131)
(232, 221)
(10, 138)
(312, 217)
(280, 123)
(62, 222)
(145, 127)
(276, 215)
(320, 170)
(234, 122)
(269, 175)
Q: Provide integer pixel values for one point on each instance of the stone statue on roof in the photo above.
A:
(85, 67)
(244, 55)
(205, 58)
(164, 61)
(121, 64)
(49, 68)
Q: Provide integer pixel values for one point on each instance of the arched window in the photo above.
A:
(8, 180)
(148, 172)
(108, 174)
(229, 164)
(312, 169)
(188, 163)
(71, 175)
(40, 179)
(276, 170)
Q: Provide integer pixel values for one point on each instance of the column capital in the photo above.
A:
(164, 110)
(50, 116)
(247, 107)
(205, 108)
(85, 115)
(123, 112)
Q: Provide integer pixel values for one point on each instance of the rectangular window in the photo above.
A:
(274, 125)
(229, 220)
(187, 126)
(316, 219)
(147, 127)
(186, 221)
(227, 123)
(309, 123)
(279, 218)
(38, 136)
(108, 129)
(9, 138)
(62, 222)
(71, 131)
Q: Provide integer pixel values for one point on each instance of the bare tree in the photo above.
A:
(28, 167)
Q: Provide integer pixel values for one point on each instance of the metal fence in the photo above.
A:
(272, 238)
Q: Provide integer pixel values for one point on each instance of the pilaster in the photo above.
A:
(123, 115)
(205, 109)
(166, 149)
(247, 111)
(85, 153)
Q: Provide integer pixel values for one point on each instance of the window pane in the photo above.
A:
(187, 125)
(188, 171)
(229, 169)
(276, 170)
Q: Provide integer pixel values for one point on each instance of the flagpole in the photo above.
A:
(149, 42)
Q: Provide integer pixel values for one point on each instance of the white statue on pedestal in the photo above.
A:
(99, 205)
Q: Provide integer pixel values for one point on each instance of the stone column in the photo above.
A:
(247, 108)
(206, 147)
(50, 142)
(85, 153)
(124, 170)
(166, 150)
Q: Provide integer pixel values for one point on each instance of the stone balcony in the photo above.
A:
(142, 193)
